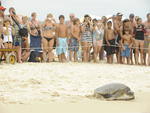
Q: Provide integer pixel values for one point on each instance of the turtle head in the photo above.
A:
(130, 94)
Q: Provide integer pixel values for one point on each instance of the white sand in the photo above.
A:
(32, 88)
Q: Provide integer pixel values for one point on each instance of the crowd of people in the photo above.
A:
(126, 40)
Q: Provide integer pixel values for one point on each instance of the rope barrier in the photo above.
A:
(68, 47)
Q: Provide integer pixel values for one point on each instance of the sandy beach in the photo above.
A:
(63, 88)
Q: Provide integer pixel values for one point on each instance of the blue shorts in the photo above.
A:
(62, 46)
(126, 52)
(74, 44)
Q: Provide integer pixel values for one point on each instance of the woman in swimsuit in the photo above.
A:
(86, 37)
(48, 34)
(34, 25)
(139, 31)
(98, 35)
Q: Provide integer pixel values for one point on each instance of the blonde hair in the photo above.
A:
(49, 15)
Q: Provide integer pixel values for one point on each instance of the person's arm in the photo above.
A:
(72, 32)
(106, 37)
(67, 33)
(122, 40)
(131, 43)
(13, 31)
(5, 31)
(83, 28)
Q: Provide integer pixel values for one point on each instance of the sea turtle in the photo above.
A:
(114, 91)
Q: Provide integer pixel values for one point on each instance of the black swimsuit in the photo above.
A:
(46, 28)
(48, 39)
(139, 32)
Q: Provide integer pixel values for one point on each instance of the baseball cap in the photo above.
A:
(2, 8)
(119, 14)
(131, 15)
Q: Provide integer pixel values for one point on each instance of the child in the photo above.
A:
(75, 32)
(7, 34)
(126, 43)
(110, 40)
(61, 34)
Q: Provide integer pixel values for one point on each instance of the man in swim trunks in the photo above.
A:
(117, 28)
(133, 25)
(110, 40)
(61, 35)
(147, 39)
(126, 42)
(75, 32)
(70, 25)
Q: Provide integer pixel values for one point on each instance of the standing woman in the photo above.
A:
(16, 21)
(139, 31)
(86, 38)
(35, 25)
(35, 33)
(48, 34)
(98, 35)
(103, 24)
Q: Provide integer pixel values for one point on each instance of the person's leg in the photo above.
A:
(50, 50)
(84, 50)
(63, 57)
(128, 60)
(108, 59)
(10, 45)
(59, 58)
(99, 47)
(19, 51)
(148, 60)
(75, 56)
(45, 49)
(142, 52)
(145, 50)
(101, 53)
(88, 52)
(123, 60)
(131, 56)
(95, 53)
(6, 46)
(136, 52)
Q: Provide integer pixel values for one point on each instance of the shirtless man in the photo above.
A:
(147, 40)
(75, 38)
(69, 25)
(133, 25)
(25, 38)
(61, 35)
(117, 28)
(126, 42)
(110, 40)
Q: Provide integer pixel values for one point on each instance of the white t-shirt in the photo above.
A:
(8, 38)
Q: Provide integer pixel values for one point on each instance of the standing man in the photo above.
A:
(69, 27)
(61, 35)
(118, 30)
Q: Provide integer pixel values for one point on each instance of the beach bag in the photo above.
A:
(35, 56)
